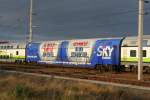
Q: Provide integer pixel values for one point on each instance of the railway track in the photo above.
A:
(81, 73)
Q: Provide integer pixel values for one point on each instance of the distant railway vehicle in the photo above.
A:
(12, 52)
(100, 53)
(129, 53)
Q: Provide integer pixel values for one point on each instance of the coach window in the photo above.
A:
(132, 53)
(8, 47)
(11, 47)
(144, 53)
(17, 53)
(17, 46)
(5, 47)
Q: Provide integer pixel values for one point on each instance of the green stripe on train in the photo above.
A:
(13, 57)
(134, 59)
(18, 57)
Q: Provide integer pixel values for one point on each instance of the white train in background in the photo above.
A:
(12, 52)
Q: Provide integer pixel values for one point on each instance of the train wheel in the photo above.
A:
(146, 69)
(134, 69)
(99, 67)
(122, 68)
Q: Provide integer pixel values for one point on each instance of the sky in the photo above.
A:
(70, 19)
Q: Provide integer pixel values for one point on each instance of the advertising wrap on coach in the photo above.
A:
(106, 52)
(48, 51)
(80, 51)
(77, 52)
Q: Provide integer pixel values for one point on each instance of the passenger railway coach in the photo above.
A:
(129, 53)
(83, 52)
(12, 52)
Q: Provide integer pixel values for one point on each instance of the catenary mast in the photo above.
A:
(30, 21)
(140, 39)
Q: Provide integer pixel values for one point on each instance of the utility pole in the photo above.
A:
(140, 39)
(30, 21)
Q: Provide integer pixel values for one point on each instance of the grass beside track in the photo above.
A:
(23, 87)
(81, 73)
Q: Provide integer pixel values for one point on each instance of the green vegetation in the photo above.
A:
(21, 87)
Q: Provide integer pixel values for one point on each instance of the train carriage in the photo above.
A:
(92, 53)
(129, 53)
(83, 52)
(12, 52)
